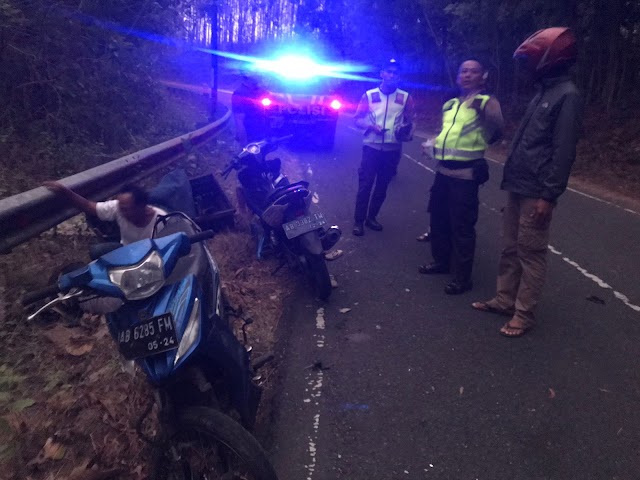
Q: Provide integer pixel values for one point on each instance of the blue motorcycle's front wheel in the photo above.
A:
(206, 443)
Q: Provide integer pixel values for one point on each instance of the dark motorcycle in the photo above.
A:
(164, 308)
(286, 225)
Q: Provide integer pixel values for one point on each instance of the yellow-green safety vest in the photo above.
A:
(461, 137)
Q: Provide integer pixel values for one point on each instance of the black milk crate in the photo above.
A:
(213, 209)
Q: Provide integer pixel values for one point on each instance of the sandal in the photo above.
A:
(333, 254)
(485, 307)
(510, 331)
(425, 237)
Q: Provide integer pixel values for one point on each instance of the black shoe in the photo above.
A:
(373, 224)
(456, 287)
(433, 268)
(358, 229)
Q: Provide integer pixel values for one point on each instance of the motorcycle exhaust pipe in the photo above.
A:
(330, 237)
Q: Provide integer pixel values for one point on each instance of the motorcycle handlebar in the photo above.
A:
(33, 297)
(227, 170)
(282, 139)
(51, 290)
(198, 237)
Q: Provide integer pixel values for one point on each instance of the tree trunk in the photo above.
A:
(614, 21)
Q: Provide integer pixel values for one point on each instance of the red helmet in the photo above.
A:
(547, 49)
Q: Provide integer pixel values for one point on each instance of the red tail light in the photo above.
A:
(266, 102)
(335, 104)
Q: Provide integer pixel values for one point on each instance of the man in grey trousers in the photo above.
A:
(535, 175)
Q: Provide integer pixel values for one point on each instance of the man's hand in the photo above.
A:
(78, 201)
(427, 148)
(542, 212)
(55, 187)
(477, 106)
(377, 129)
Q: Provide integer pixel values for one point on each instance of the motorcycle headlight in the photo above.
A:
(253, 148)
(191, 332)
(141, 280)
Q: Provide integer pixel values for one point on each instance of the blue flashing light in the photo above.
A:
(297, 68)
(293, 67)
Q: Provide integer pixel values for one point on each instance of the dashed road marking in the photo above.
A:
(314, 381)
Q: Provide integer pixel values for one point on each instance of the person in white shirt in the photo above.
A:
(130, 210)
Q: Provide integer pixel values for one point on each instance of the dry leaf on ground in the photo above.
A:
(20, 405)
(50, 451)
(72, 342)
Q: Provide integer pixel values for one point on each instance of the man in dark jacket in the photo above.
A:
(535, 175)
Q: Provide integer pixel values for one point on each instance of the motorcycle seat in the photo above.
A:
(282, 191)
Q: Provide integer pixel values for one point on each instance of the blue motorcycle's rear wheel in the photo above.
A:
(207, 443)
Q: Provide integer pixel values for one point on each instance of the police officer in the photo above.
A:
(248, 112)
(470, 122)
(386, 115)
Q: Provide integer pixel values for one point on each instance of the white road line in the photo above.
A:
(419, 163)
(314, 392)
(494, 161)
(601, 283)
(597, 280)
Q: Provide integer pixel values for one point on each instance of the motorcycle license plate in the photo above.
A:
(302, 225)
(152, 336)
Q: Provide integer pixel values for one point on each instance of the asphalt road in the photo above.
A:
(414, 384)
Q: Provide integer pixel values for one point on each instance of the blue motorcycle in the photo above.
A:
(166, 313)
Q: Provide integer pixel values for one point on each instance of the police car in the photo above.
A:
(309, 111)
(304, 98)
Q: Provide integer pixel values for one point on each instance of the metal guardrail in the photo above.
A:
(30, 213)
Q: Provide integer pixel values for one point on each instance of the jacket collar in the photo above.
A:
(387, 94)
(548, 82)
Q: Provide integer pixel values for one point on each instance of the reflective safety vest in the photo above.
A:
(386, 111)
(461, 137)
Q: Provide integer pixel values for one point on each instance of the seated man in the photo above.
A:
(131, 211)
(134, 216)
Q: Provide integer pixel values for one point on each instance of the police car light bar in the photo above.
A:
(293, 67)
